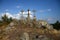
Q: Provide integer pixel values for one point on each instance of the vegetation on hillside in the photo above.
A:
(5, 20)
(15, 31)
(56, 25)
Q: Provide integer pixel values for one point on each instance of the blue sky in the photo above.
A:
(45, 9)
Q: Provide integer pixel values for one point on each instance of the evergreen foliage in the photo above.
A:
(5, 20)
(56, 25)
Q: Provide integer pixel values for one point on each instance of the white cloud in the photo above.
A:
(8, 14)
(26, 13)
(17, 16)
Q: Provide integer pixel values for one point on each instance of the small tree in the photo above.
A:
(5, 20)
(56, 25)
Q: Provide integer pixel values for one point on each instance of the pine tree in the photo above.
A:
(56, 25)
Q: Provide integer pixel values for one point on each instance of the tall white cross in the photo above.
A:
(34, 14)
(22, 14)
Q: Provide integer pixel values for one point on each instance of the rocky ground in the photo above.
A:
(28, 33)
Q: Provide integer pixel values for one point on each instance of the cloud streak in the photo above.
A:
(51, 20)
(18, 6)
(6, 10)
(47, 10)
